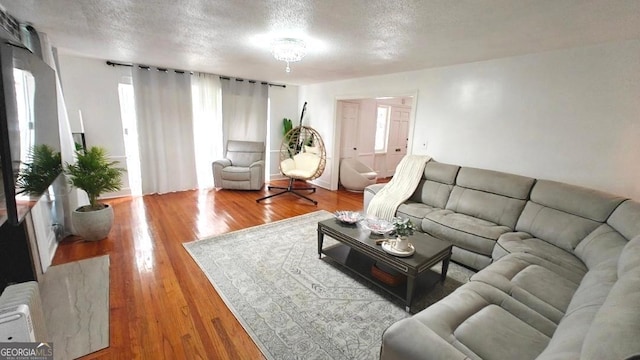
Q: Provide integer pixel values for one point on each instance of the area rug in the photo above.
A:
(294, 305)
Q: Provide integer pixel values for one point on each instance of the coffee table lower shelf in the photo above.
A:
(361, 265)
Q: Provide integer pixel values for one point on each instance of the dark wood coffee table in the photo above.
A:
(358, 251)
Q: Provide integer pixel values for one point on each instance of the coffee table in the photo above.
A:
(358, 251)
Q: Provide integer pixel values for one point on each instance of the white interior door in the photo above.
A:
(350, 113)
(398, 137)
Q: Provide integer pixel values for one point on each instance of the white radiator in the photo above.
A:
(21, 316)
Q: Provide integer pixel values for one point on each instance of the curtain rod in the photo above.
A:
(114, 64)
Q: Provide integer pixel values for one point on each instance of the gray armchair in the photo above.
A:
(242, 168)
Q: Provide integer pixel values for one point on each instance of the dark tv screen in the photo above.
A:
(28, 117)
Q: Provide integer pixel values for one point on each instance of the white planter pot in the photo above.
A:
(92, 225)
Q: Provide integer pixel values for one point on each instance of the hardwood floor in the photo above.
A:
(161, 304)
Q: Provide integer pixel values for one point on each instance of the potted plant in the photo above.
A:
(403, 228)
(44, 166)
(94, 174)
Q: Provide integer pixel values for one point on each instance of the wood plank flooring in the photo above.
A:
(161, 304)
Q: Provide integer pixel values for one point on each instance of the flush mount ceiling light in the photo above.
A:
(288, 50)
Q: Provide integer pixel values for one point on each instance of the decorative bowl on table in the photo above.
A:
(377, 226)
(349, 217)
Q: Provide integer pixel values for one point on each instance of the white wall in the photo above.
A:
(91, 86)
(571, 115)
(283, 103)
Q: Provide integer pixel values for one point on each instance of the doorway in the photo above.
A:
(376, 131)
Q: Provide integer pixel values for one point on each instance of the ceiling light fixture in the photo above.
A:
(289, 50)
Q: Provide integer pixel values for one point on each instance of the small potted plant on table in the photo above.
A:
(403, 228)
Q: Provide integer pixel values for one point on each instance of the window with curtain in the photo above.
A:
(164, 114)
(207, 124)
(183, 121)
(244, 110)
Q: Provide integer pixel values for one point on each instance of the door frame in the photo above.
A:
(337, 124)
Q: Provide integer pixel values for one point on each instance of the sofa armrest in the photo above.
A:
(216, 169)
(410, 339)
(369, 192)
(222, 162)
(257, 163)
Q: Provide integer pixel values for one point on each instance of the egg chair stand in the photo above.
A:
(290, 189)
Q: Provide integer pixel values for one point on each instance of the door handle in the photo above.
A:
(398, 150)
(355, 148)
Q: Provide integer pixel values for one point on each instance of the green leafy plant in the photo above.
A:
(44, 166)
(287, 125)
(94, 174)
(403, 227)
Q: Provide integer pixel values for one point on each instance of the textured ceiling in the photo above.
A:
(347, 38)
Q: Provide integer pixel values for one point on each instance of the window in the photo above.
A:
(128, 115)
(382, 122)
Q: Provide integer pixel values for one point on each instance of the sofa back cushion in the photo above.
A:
(564, 214)
(436, 184)
(244, 153)
(587, 203)
(613, 334)
(625, 219)
(602, 244)
(490, 195)
(629, 260)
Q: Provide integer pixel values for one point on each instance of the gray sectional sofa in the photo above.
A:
(559, 270)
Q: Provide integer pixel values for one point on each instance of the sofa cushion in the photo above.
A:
(436, 184)
(478, 321)
(432, 193)
(557, 227)
(600, 245)
(462, 230)
(541, 285)
(497, 209)
(244, 153)
(569, 338)
(514, 242)
(415, 211)
(629, 260)
(489, 195)
(613, 334)
(625, 219)
(441, 172)
(495, 182)
(572, 199)
(236, 173)
(470, 258)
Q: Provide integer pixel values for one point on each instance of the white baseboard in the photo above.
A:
(117, 194)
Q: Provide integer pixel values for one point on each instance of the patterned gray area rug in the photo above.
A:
(294, 305)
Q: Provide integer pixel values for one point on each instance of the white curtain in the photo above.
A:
(207, 124)
(165, 130)
(244, 110)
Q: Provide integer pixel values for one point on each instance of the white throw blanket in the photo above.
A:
(404, 182)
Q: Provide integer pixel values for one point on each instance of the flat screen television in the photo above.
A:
(28, 117)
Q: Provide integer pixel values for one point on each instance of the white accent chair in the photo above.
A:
(355, 176)
(242, 168)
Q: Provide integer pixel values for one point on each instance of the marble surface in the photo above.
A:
(75, 301)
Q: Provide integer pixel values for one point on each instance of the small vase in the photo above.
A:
(402, 243)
